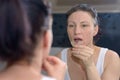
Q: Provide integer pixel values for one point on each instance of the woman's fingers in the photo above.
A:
(82, 54)
(55, 67)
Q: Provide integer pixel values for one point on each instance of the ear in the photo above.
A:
(45, 39)
(96, 29)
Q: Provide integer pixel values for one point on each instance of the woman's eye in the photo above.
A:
(70, 25)
(84, 25)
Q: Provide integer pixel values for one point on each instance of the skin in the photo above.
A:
(82, 57)
(41, 61)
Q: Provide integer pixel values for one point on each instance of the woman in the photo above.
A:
(85, 60)
(25, 41)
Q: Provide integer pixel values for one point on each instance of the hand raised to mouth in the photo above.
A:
(82, 55)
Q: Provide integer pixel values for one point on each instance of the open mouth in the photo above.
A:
(77, 40)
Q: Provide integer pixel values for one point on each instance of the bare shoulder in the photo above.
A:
(112, 58)
(1, 78)
(4, 77)
(112, 66)
(112, 55)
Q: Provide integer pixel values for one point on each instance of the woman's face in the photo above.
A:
(81, 29)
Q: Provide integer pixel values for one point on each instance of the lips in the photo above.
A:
(77, 40)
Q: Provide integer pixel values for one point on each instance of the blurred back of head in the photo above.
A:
(22, 22)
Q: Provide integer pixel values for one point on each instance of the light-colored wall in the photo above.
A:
(100, 5)
(2, 65)
(55, 50)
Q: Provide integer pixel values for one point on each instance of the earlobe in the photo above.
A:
(45, 39)
(96, 29)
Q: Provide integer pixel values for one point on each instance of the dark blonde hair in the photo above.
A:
(84, 7)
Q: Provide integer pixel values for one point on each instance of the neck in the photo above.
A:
(24, 71)
(91, 45)
(34, 67)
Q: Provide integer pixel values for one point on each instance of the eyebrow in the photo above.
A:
(84, 22)
(80, 22)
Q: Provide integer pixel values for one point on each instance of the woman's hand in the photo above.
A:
(55, 67)
(83, 55)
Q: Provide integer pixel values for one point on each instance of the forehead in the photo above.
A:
(80, 15)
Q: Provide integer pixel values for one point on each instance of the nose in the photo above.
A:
(77, 30)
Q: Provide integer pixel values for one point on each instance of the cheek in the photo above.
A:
(88, 36)
(90, 32)
(70, 34)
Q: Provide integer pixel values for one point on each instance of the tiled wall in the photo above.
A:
(109, 24)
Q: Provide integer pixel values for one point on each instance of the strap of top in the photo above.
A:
(64, 55)
(64, 58)
(100, 62)
(47, 78)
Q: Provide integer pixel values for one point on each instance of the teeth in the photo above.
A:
(76, 43)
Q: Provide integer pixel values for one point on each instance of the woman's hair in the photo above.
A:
(22, 22)
(87, 8)
(84, 7)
